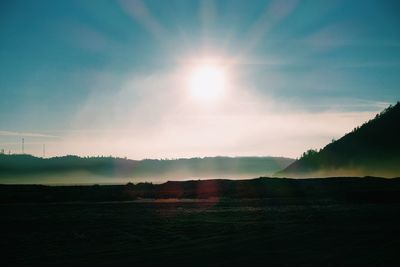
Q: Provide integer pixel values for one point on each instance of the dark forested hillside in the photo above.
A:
(371, 149)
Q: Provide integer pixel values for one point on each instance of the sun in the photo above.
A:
(207, 82)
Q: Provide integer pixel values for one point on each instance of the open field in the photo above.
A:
(213, 232)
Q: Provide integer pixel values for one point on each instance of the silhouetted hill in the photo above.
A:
(371, 149)
(30, 169)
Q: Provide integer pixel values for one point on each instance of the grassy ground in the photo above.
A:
(279, 232)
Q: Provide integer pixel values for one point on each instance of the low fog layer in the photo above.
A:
(75, 170)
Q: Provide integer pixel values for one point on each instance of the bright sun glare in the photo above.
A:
(207, 82)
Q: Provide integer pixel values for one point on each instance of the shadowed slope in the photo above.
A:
(372, 149)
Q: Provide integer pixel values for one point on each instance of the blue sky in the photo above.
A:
(108, 77)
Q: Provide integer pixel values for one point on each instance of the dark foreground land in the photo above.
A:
(283, 228)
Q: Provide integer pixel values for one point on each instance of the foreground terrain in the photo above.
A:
(323, 228)
(223, 233)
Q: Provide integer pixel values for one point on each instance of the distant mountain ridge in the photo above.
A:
(371, 149)
(18, 167)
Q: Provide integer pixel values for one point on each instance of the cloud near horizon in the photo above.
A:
(27, 134)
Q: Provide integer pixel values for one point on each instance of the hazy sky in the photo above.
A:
(112, 77)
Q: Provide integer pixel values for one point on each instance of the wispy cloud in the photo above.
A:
(27, 134)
